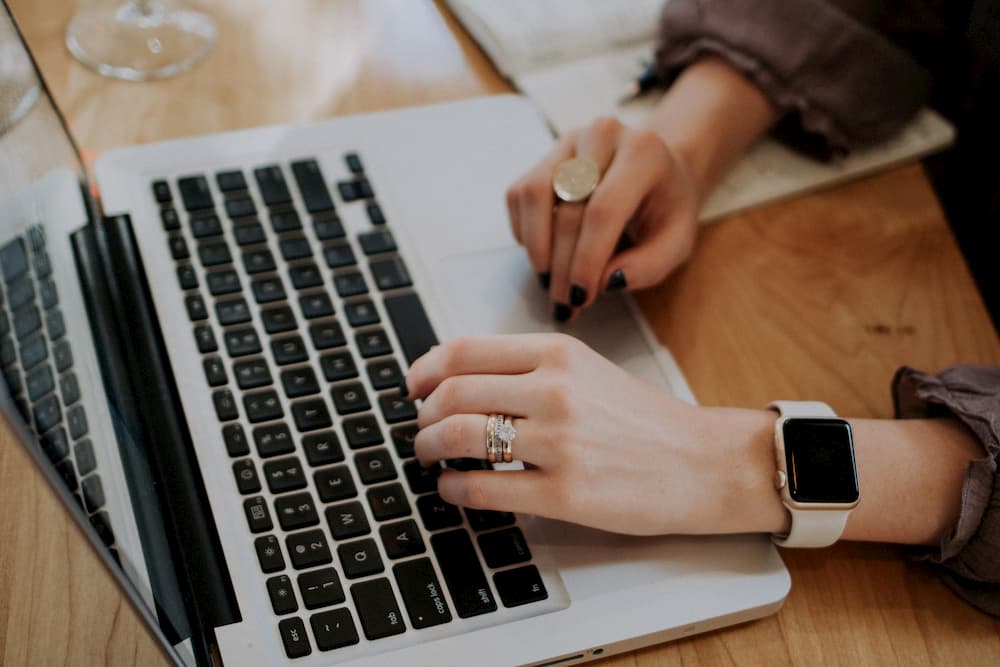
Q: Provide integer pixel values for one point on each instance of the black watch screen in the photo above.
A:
(819, 455)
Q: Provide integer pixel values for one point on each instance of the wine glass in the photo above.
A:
(140, 39)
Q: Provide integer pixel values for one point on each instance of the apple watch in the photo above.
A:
(817, 475)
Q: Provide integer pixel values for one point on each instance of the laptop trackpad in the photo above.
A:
(496, 291)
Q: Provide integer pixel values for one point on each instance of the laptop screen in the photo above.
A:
(59, 378)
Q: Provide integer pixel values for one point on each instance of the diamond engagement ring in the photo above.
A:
(575, 179)
(505, 433)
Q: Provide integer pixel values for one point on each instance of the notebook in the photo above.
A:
(576, 58)
(204, 364)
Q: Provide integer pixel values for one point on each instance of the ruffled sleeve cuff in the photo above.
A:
(841, 84)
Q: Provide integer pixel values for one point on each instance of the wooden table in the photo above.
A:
(821, 297)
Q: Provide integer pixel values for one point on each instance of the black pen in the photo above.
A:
(648, 79)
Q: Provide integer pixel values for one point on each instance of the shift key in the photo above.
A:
(463, 574)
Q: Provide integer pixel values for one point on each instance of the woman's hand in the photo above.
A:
(646, 193)
(601, 448)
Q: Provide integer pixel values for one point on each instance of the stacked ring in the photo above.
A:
(500, 434)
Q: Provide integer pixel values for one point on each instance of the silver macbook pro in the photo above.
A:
(204, 361)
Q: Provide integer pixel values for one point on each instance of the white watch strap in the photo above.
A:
(813, 527)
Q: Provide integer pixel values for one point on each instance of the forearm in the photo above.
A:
(709, 116)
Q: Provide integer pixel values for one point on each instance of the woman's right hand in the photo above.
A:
(646, 193)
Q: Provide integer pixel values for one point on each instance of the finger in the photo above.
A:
(521, 491)
(485, 355)
(650, 260)
(464, 436)
(565, 229)
(482, 394)
(514, 211)
(618, 197)
(535, 199)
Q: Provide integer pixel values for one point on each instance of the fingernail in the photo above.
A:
(403, 391)
(562, 312)
(544, 279)
(616, 281)
(577, 296)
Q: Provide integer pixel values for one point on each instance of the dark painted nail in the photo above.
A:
(544, 279)
(562, 312)
(403, 391)
(577, 296)
(616, 281)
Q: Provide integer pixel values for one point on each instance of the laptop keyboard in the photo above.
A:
(37, 360)
(349, 532)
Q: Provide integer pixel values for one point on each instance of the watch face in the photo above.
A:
(819, 455)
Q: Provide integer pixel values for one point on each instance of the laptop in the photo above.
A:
(205, 362)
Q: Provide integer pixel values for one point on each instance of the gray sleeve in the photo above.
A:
(969, 555)
(840, 82)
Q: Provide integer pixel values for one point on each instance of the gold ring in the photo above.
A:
(491, 424)
(575, 179)
(505, 433)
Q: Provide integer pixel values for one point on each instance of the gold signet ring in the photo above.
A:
(575, 179)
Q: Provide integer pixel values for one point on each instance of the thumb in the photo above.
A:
(651, 259)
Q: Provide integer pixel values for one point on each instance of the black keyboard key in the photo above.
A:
(520, 586)
(230, 181)
(195, 192)
(360, 559)
(422, 595)
(315, 305)
(215, 371)
(338, 366)
(232, 311)
(390, 273)
(320, 588)
(240, 207)
(36, 237)
(361, 313)
(68, 474)
(252, 373)
(296, 511)
(327, 334)
(93, 493)
(83, 452)
(13, 259)
(335, 483)
(39, 382)
(27, 320)
(102, 524)
(55, 444)
(339, 255)
(161, 191)
(214, 254)
(377, 609)
(273, 439)
(55, 324)
(278, 319)
(267, 290)
(241, 342)
(362, 431)
(436, 513)
(396, 409)
(273, 189)
(421, 479)
(347, 520)
(203, 336)
(225, 405)
(235, 439)
(293, 636)
(308, 549)
(204, 226)
(322, 448)
(311, 415)
(258, 517)
(249, 233)
(305, 275)
(20, 292)
(401, 539)
(279, 589)
(285, 221)
(384, 374)
(223, 282)
(504, 547)
(349, 190)
(296, 247)
(488, 519)
(245, 473)
(467, 464)
(410, 322)
(350, 284)
(312, 186)
(388, 502)
(263, 406)
(43, 267)
(258, 261)
(334, 629)
(299, 382)
(350, 398)
(48, 294)
(289, 350)
(375, 213)
(269, 554)
(62, 355)
(328, 227)
(374, 466)
(8, 353)
(353, 163)
(463, 574)
(187, 277)
(179, 249)
(47, 413)
(402, 438)
(171, 221)
(373, 343)
(378, 241)
(14, 381)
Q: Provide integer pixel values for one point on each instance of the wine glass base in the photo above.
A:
(129, 43)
